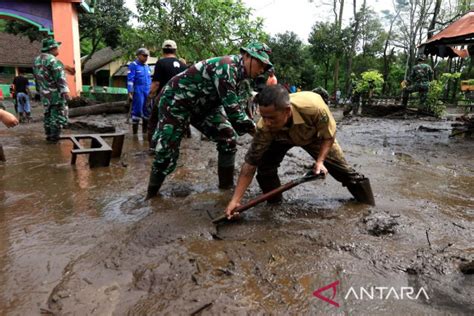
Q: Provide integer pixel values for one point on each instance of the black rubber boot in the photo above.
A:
(154, 185)
(226, 177)
(225, 169)
(362, 191)
(135, 127)
(268, 183)
(145, 127)
(54, 137)
(47, 132)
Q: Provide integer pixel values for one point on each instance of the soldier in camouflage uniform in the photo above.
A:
(52, 86)
(207, 96)
(301, 119)
(419, 81)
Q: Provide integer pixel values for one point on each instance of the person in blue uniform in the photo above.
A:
(138, 85)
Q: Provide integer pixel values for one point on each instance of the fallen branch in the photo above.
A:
(108, 108)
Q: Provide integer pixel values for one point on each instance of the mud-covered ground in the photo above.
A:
(80, 241)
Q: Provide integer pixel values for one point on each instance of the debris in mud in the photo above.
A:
(430, 129)
(379, 224)
(465, 128)
(181, 190)
(99, 127)
(201, 309)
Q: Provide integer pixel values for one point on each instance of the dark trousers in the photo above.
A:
(338, 168)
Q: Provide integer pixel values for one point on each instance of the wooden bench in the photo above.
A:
(100, 151)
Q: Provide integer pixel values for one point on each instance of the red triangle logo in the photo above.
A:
(318, 292)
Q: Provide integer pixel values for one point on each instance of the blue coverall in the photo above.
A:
(138, 83)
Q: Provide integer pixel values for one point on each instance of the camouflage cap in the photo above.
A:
(48, 44)
(260, 51)
(322, 92)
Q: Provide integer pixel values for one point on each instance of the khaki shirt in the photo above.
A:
(312, 122)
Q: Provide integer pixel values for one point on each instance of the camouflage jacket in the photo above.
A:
(211, 83)
(50, 79)
(421, 73)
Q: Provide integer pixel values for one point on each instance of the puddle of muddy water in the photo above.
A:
(80, 240)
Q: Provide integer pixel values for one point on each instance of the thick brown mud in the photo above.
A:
(80, 241)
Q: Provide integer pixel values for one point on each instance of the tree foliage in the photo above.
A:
(288, 70)
(104, 26)
(201, 28)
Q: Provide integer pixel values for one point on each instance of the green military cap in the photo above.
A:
(260, 51)
(48, 44)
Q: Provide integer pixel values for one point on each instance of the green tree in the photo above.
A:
(325, 41)
(104, 26)
(287, 56)
(202, 28)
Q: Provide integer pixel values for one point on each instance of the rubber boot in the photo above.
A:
(145, 127)
(226, 177)
(135, 127)
(53, 136)
(362, 191)
(154, 185)
(225, 169)
(28, 117)
(268, 183)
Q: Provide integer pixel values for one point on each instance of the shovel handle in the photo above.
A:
(262, 198)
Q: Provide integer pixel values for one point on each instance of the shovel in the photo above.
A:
(310, 176)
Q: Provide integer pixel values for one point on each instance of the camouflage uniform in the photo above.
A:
(206, 96)
(420, 78)
(51, 84)
(210, 95)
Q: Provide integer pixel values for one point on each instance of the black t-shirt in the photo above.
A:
(21, 84)
(167, 68)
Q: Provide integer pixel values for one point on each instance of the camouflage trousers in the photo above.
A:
(421, 88)
(55, 117)
(172, 124)
(335, 162)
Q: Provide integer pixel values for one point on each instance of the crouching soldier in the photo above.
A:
(300, 119)
(206, 95)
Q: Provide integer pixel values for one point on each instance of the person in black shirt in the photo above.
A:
(166, 68)
(21, 90)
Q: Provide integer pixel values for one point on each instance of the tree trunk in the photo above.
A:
(338, 34)
(109, 108)
(387, 59)
(431, 28)
(353, 43)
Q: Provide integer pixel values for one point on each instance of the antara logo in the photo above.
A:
(371, 293)
(332, 286)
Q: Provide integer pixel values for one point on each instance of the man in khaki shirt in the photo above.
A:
(300, 119)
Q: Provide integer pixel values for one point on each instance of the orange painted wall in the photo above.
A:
(66, 30)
